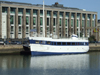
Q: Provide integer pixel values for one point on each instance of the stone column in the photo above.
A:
(16, 23)
(95, 20)
(81, 22)
(97, 33)
(51, 23)
(75, 24)
(85, 25)
(69, 25)
(91, 24)
(63, 28)
(57, 24)
(38, 22)
(24, 24)
(45, 15)
(0, 22)
(31, 21)
(8, 23)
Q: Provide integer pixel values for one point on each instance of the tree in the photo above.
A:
(92, 38)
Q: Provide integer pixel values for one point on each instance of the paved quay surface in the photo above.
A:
(17, 49)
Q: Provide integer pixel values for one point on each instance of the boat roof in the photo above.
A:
(59, 40)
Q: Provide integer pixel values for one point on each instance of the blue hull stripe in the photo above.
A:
(35, 53)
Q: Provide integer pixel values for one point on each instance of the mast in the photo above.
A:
(43, 21)
(79, 29)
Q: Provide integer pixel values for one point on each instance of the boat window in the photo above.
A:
(78, 43)
(68, 43)
(73, 43)
(86, 43)
(58, 43)
(51, 43)
(63, 43)
(36, 41)
(82, 43)
(41, 42)
(54, 43)
(48, 42)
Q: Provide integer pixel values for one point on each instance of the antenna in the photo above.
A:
(79, 29)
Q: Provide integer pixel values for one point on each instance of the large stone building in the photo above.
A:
(16, 20)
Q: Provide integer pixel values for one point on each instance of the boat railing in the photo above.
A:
(85, 38)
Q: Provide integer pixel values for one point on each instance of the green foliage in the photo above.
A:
(81, 34)
(92, 38)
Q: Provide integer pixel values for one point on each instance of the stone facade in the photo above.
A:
(67, 20)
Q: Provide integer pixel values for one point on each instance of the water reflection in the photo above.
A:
(14, 61)
(62, 61)
(74, 64)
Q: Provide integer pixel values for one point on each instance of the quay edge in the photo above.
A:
(19, 49)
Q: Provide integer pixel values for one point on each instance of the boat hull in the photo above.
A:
(37, 49)
(35, 53)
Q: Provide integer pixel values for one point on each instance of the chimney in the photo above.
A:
(56, 3)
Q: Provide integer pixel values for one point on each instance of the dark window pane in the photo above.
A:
(68, 43)
(73, 43)
(63, 43)
(58, 43)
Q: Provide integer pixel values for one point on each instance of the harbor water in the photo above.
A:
(70, 64)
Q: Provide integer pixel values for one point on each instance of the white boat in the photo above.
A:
(52, 46)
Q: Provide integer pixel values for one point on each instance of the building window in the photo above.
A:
(77, 23)
(88, 23)
(27, 20)
(20, 11)
(11, 19)
(34, 20)
(54, 21)
(27, 11)
(54, 13)
(34, 12)
(72, 15)
(72, 22)
(27, 29)
(47, 29)
(61, 14)
(67, 14)
(19, 29)
(47, 21)
(54, 30)
(66, 29)
(93, 25)
(41, 21)
(41, 12)
(83, 16)
(60, 22)
(59, 29)
(78, 15)
(41, 29)
(12, 10)
(88, 17)
(12, 28)
(4, 9)
(65, 22)
(48, 13)
(83, 22)
(19, 20)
